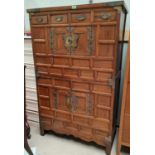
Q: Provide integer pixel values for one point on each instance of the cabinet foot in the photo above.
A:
(108, 145)
(118, 149)
(42, 132)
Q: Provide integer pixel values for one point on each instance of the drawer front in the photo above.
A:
(59, 19)
(80, 17)
(39, 19)
(104, 16)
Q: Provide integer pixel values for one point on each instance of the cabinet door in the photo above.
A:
(72, 40)
(72, 101)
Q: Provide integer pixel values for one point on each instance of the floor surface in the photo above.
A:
(51, 144)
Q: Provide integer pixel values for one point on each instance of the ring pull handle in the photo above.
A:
(58, 18)
(105, 16)
(81, 17)
(39, 19)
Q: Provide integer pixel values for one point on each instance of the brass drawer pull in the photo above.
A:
(81, 17)
(58, 18)
(39, 19)
(105, 16)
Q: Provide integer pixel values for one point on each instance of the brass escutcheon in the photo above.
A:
(39, 19)
(69, 103)
(58, 18)
(80, 17)
(105, 16)
(71, 41)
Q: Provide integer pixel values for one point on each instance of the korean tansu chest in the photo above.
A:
(75, 55)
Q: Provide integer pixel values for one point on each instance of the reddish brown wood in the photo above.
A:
(75, 59)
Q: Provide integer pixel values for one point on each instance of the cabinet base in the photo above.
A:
(108, 145)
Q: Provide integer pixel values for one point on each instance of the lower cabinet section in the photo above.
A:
(88, 129)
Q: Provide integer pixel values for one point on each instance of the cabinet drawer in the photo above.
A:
(80, 17)
(103, 16)
(59, 19)
(39, 19)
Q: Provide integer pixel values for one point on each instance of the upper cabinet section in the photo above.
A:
(106, 12)
(75, 17)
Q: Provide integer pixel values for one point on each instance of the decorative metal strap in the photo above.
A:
(55, 98)
(52, 33)
(74, 100)
(68, 102)
(90, 40)
(89, 105)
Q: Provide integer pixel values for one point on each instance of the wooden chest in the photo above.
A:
(77, 64)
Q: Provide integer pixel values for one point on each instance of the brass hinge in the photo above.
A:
(89, 107)
(52, 35)
(90, 40)
(55, 98)
(68, 102)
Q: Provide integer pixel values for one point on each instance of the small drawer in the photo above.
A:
(39, 20)
(80, 17)
(103, 16)
(59, 19)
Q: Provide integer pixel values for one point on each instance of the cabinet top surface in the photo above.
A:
(120, 4)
